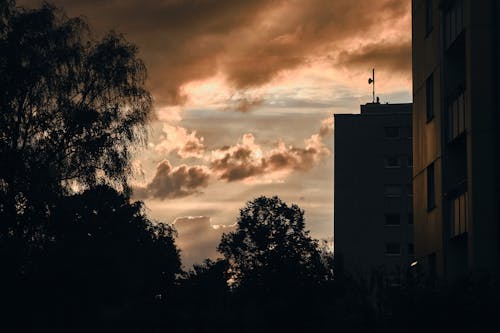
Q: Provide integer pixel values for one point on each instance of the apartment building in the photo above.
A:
(456, 114)
(373, 221)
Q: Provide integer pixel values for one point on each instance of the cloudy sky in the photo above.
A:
(244, 95)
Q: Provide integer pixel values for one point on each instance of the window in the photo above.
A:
(429, 17)
(458, 214)
(392, 191)
(392, 249)
(429, 97)
(392, 162)
(392, 219)
(392, 132)
(410, 219)
(456, 115)
(431, 188)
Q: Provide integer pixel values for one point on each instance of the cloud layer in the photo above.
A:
(250, 42)
(246, 161)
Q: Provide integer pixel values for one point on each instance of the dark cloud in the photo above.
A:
(391, 57)
(249, 42)
(170, 182)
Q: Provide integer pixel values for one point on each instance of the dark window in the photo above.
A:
(392, 162)
(393, 249)
(392, 219)
(410, 161)
(431, 188)
(428, 17)
(429, 97)
(392, 190)
(410, 218)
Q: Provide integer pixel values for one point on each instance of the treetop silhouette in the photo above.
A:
(72, 107)
(271, 246)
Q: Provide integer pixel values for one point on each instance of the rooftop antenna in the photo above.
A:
(372, 81)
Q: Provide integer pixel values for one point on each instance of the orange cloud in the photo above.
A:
(170, 182)
(180, 140)
(246, 160)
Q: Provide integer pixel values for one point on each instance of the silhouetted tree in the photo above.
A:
(70, 109)
(74, 251)
(271, 247)
(105, 266)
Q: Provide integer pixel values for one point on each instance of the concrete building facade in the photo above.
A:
(373, 218)
(456, 174)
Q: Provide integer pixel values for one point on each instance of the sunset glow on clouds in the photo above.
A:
(244, 95)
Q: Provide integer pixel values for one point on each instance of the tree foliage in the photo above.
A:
(105, 264)
(76, 254)
(271, 246)
(72, 107)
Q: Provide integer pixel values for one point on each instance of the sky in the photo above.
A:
(244, 96)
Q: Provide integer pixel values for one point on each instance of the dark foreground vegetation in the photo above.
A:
(78, 255)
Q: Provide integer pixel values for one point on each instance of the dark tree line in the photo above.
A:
(78, 255)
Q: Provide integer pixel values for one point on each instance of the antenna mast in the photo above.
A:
(372, 81)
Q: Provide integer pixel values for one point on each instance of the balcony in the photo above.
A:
(456, 115)
(453, 22)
